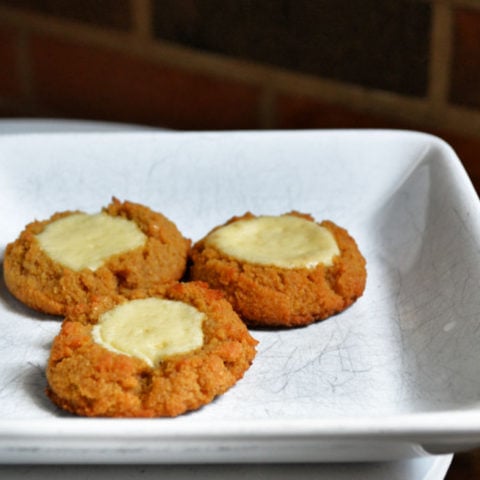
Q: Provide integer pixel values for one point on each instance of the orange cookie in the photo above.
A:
(282, 271)
(149, 355)
(73, 257)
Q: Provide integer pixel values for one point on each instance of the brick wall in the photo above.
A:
(248, 64)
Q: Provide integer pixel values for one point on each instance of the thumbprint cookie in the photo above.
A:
(281, 271)
(159, 353)
(73, 256)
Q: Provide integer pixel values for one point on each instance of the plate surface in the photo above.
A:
(394, 376)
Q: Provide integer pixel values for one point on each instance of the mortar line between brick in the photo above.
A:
(475, 4)
(66, 29)
(142, 18)
(24, 65)
(267, 108)
(440, 55)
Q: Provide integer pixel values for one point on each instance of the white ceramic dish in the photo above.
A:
(418, 468)
(394, 376)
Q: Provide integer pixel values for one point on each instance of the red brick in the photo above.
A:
(465, 74)
(82, 81)
(303, 112)
(468, 150)
(373, 43)
(9, 76)
(465, 465)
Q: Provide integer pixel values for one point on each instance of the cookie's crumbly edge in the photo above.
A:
(270, 296)
(86, 379)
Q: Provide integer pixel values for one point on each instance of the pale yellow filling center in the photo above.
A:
(81, 241)
(150, 329)
(283, 241)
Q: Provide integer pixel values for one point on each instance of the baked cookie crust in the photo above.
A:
(87, 379)
(269, 296)
(47, 286)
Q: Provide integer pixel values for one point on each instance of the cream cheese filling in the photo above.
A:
(283, 241)
(150, 329)
(81, 241)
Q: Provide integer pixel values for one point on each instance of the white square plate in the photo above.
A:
(394, 376)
